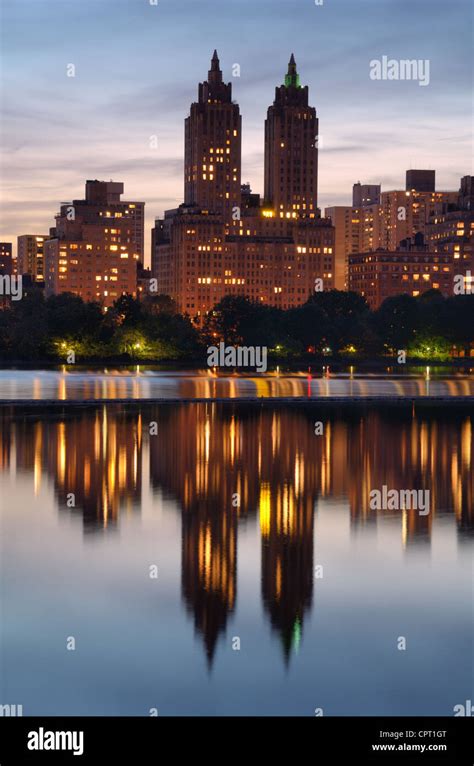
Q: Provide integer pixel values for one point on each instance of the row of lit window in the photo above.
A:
(302, 249)
(217, 280)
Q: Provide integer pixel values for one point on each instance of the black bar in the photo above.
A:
(324, 741)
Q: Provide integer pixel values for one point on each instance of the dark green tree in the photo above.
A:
(396, 321)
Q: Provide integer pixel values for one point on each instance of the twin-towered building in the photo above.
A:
(224, 239)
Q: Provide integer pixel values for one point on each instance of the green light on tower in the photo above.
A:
(292, 78)
(297, 634)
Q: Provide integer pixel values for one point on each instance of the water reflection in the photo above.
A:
(95, 460)
(229, 465)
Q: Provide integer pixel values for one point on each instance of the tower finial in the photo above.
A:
(215, 74)
(292, 78)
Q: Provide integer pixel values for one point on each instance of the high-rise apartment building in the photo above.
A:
(30, 255)
(291, 149)
(222, 241)
(213, 137)
(346, 221)
(357, 229)
(103, 201)
(96, 245)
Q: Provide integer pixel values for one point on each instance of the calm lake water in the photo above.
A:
(316, 587)
(148, 383)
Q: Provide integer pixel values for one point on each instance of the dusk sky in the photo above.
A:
(137, 70)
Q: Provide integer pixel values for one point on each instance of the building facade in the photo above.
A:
(96, 246)
(381, 274)
(453, 233)
(357, 230)
(406, 213)
(30, 255)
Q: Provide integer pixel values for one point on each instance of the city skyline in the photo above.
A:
(236, 371)
(159, 107)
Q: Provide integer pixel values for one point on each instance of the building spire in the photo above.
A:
(215, 74)
(292, 78)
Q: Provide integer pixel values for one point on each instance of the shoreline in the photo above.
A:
(192, 364)
(262, 400)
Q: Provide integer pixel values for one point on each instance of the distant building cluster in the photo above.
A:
(404, 241)
(276, 249)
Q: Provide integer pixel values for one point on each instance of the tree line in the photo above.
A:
(334, 323)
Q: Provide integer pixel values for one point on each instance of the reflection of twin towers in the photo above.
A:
(224, 464)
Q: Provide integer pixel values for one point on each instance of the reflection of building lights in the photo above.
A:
(297, 634)
(265, 509)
